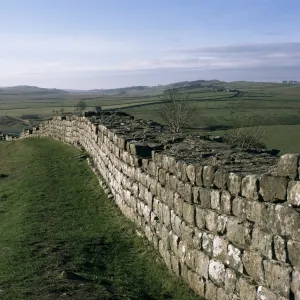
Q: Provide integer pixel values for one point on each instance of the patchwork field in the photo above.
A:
(274, 106)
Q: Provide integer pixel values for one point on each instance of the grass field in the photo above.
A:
(273, 105)
(61, 238)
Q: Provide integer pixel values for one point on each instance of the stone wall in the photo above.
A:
(225, 220)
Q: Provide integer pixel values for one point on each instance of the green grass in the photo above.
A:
(283, 137)
(60, 237)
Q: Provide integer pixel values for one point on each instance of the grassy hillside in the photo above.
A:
(61, 238)
(29, 90)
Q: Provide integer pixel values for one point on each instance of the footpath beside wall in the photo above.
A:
(225, 220)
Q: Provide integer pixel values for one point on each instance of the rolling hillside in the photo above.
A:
(29, 90)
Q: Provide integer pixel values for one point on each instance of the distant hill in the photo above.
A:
(132, 91)
(116, 91)
(30, 90)
(147, 90)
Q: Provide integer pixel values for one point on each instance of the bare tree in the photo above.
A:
(248, 131)
(80, 106)
(176, 109)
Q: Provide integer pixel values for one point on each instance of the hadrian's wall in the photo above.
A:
(225, 220)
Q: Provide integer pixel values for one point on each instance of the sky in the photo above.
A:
(94, 44)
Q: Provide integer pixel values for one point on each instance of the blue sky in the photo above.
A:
(115, 43)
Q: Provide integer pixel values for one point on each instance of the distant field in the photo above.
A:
(273, 105)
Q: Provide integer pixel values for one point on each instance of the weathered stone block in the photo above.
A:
(208, 175)
(247, 290)
(173, 182)
(204, 195)
(295, 285)
(135, 189)
(239, 208)
(148, 198)
(158, 190)
(280, 248)
(195, 192)
(286, 222)
(175, 265)
(262, 242)
(234, 258)
(157, 158)
(191, 174)
(278, 277)
(187, 192)
(190, 258)
(273, 188)
(215, 199)
(184, 272)
(250, 187)
(142, 190)
(207, 243)
(225, 203)
(163, 194)
(162, 176)
(293, 194)
(211, 291)
(288, 165)
(169, 163)
(166, 216)
(211, 220)
(198, 175)
(258, 212)
(201, 263)
(168, 180)
(294, 253)
(197, 239)
(181, 188)
(181, 170)
(156, 206)
(216, 272)
(187, 234)
(220, 179)
(152, 169)
(239, 233)
(174, 240)
(182, 248)
(253, 265)
(230, 281)
(221, 224)
(265, 294)
(176, 224)
(165, 238)
(234, 183)
(178, 204)
(200, 217)
(221, 294)
(196, 283)
(169, 198)
(188, 213)
(220, 248)
(153, 220)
